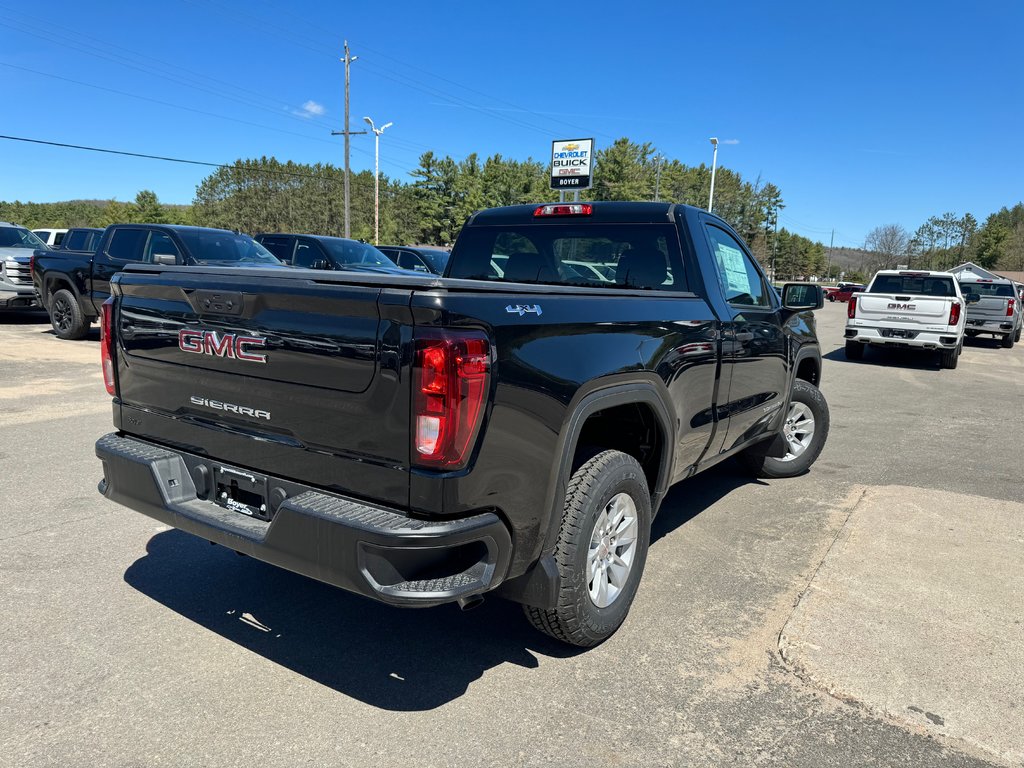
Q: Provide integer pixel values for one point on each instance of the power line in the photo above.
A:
(126, 153)
(184, 108)
(310, 44)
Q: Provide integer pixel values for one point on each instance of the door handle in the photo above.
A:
(744, 336)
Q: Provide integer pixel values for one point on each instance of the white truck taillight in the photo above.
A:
(954, 313)
(851, 308)
(451, 373)
(107, 344)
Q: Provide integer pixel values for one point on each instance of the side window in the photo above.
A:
(75, 241)
(740, 280)
(58, 238)
(279, 246)
(306, 254)
(160, 244)
(409, 260)
(127, 244)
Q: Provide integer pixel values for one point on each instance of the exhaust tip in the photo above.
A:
(471, 602)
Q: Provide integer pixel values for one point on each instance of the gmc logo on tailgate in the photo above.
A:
(894, 305)
(222, 345)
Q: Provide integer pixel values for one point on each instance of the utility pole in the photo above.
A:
(657, 180)
(775, 246)
(376, 176)
(830, 243)
(349, 58)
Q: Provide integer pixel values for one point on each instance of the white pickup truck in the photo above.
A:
(920, 310)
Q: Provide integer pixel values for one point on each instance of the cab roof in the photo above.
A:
(604, 212)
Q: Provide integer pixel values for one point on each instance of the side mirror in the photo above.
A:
(802, 297)
(972, 298)
(167, 259)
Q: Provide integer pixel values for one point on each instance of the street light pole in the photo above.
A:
(657, 180)
(714, 164)
(376, 176)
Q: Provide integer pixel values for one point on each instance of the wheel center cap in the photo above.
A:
(602, 551)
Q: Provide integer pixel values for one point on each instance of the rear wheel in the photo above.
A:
(66, 316)
(948, 358)
(601, 550)
(854, 350)
(1016, 336)
(1008, 340)
(804, 431)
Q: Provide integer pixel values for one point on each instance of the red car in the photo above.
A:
(844, 291)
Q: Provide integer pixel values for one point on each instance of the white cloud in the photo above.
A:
(730, 141)
(310, 109)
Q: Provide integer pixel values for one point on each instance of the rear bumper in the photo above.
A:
(921, 340)
(370, 550)
(1001, 327)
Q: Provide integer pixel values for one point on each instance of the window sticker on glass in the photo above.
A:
(736, 276)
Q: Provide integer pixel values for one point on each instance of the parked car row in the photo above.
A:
(931, 311)
(68, 271)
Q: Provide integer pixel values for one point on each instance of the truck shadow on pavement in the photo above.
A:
(24, 317)
(904, 358)
(392, 658)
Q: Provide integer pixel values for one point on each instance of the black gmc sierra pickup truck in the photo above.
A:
(72, 284)
(421, 440)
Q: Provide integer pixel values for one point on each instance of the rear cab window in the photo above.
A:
(597, 255)
(914, 285)
(1003, 290)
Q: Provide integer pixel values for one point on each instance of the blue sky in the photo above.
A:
(862, 113)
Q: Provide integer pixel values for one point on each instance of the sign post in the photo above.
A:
(572, 166)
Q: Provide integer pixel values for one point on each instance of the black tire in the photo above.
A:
(854, 350)
(972, 334)
(1008, 340)
(66, 316)
(948, 358)
(808, 396)
(577, 619)
(832, 298)
(1016, 336)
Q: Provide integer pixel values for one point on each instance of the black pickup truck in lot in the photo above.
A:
(422, 440)
(72, 284)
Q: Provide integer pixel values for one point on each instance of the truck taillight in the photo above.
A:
(32, 264)
(1009, 307)
(563, 209)
(107, 344)
(954, 313)
(851, 307)
(450, 381)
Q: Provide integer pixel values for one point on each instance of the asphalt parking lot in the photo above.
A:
(779, 623)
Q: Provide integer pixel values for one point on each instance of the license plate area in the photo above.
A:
(898, 333)
(241, 491)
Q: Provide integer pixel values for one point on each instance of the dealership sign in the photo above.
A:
(572, 163)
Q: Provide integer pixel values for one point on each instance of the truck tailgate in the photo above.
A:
(297, 377)
(991, 308)
(903, 311)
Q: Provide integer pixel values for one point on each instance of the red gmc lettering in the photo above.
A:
(190, 341)
(241, 342)
(218, 345)
(222, 345)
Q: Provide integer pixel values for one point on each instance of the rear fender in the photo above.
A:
(540, 585)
